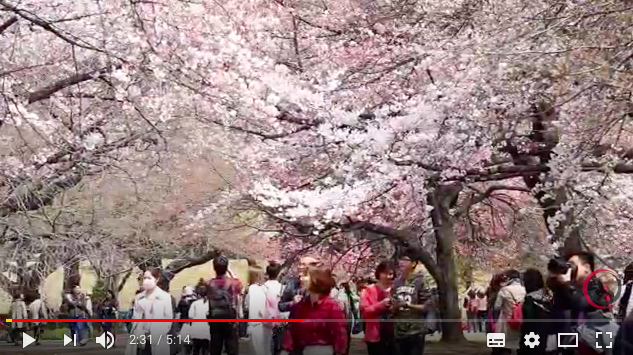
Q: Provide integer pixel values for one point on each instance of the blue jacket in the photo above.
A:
(290, 288)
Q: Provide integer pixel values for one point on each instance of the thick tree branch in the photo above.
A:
(33, 197)
(503, 172)
(8, 23)
(6, 284)
(48, 26)
(261, 134)
(179, 265)
(48, 91)
(481, 196)
(400, 238)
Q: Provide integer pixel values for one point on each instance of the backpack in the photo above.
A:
(222, 303)
(540, 307)
(515, 319)
(271, 310)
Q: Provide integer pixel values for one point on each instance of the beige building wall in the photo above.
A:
(5, 302)
(88, 276)
(52, 287)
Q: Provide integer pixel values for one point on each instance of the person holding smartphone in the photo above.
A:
(375, 305)
(411, 300)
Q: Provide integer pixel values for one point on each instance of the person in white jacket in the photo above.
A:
(37, 310)
(17, 311)
(198, 333)
(273, 288)
(511, 293)
(151, 303)
(256, 301)
(89, 311)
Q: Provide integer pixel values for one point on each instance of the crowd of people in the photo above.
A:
(395, 312)
(476, 306)
(535, 307)
(387, 311)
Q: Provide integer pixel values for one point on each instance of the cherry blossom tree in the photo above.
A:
(370, 119)
(404, 121)
(65, 115)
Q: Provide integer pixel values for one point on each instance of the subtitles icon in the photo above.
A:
(496, 340)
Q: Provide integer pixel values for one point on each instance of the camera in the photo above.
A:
(560, 266)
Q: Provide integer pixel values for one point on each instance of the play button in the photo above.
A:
(27, 340)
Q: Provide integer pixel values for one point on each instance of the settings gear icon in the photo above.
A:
(532, 340)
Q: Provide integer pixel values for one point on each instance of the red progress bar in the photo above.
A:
(157, 320)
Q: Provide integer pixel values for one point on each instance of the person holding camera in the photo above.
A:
(75, 303)
(572, 307)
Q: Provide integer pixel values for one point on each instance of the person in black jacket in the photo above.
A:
(108, 309)
(537, 309)
(186, 299)
(626, 301)
(624, 340)
(294, 287)
(570, 303)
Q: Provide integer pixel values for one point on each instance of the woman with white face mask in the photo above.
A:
(151, 303)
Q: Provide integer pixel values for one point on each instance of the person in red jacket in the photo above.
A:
(375, 303)
(324, 327)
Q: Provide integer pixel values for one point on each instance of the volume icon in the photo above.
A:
(106, 340)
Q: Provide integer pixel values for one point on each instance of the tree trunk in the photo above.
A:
(443, 198)
(72, 276)
(115, 283)
(29, 283)
(544, 138)
(449, 297)
(444, 271)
